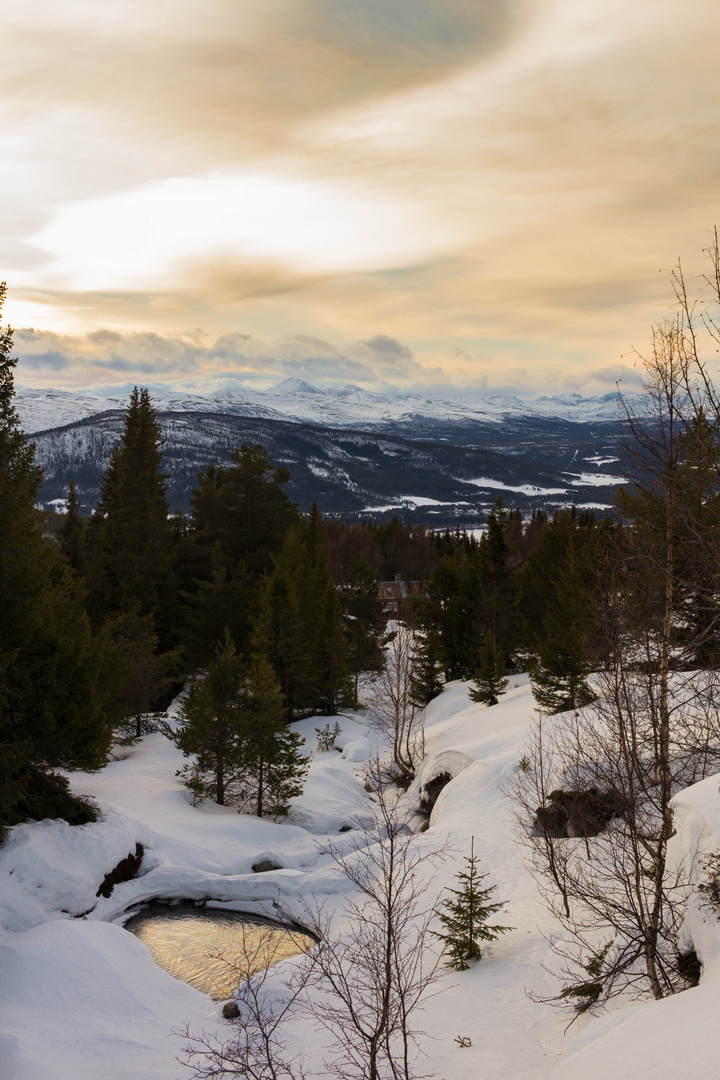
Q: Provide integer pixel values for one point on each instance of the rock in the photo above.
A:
(431, 790)
(265, 865)
(345, 828)
(230, 1010)
(578, 813)
(127, 869)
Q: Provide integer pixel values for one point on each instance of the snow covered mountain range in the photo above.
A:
(358, 454)
(295, 399)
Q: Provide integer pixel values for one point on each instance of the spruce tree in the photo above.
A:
(49, 712)
(365, 621)
(279, 638)
(244, 508)
(561, 665)
(131, 537)
(135, 673)
(464, 916)
(71, 532)
(427, 681)
(212, 725)
(272, 766)
(488, 680)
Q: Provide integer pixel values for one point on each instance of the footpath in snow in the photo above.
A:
(81, 999)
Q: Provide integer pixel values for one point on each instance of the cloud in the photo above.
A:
(491, 184)
(388, 346)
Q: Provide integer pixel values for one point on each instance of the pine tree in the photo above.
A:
(71, 532)
(465, 915)
(304, 559)
(273, 768)
(559, 670)
(49, 712)
(225, 600)
(244, 508)
(365, 621)
(135, 674)
(279, 638)
(131, 537)
(427, 681)
(488, 680)
(213, 726)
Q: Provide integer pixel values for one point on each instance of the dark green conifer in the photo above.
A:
(71, 532)
(488, 680)
(213, 725)
(279, 638)
(49, 712)
(131, 537)
(427, 680)
(464, 916)
(273, 768)
(562, 663)
(365, 621)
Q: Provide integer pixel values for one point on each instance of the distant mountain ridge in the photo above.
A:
(296, 400)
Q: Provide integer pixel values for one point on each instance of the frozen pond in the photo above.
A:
(213, 950)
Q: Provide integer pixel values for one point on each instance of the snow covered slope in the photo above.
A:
(296, 399)
(81, 999)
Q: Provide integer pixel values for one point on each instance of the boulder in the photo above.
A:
(230, 1010)
(265, 865)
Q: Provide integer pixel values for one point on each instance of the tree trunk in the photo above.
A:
(261, 781)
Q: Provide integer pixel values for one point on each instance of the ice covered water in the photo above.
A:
(213, 950)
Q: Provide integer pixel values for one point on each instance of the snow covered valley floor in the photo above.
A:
(81, 999)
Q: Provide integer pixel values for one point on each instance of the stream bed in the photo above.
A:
(212, 949)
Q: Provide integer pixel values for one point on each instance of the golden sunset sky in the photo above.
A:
(429, 195)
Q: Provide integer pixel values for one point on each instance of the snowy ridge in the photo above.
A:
(107, 1010)
(296, 399)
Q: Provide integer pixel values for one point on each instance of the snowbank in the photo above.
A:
(80, 998)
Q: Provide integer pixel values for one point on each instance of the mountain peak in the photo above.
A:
(294, 386)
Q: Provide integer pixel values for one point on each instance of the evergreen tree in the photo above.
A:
(561, 665)
(131, 537)
(244, 508)
(365, 621)
(273, 768)
(466, 913)
(213, 725)
(279, 638)
(135, 674)
(226, 600)
(488, 679)
(71, 532)
(49, 713)
(427, 681)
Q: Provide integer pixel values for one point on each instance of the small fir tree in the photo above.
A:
(488, 680)
(273, 768)
(559, 670)
(465, 915)
(71, 532)
(213, 726)
(365, 621)
(427, 675)
(279, 638)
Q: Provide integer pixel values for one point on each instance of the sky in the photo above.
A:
(437, 196)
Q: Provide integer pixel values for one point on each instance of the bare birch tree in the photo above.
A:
(394, 708)
(369, 983)
(257, 1048)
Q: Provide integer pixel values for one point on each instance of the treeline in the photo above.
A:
(103, 620)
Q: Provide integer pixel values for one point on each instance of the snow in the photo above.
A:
(81, 998)
(595, 479)
(296, 399)
(523, 489)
